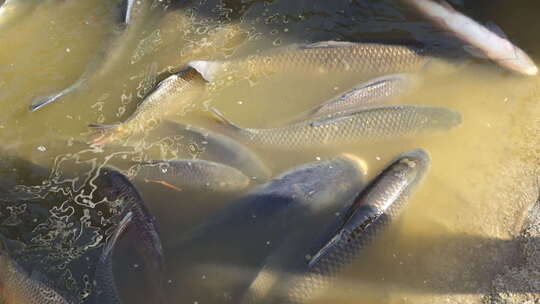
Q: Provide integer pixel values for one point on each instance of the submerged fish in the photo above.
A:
(361, 126)
(373, 210)
(132, 15)
(209, 145)
(491, 44)
(116, 186)
(366, 59)
(173, 95)
(370, 93)
(194, 174)
(20, 287)
(106, 290)
(256, 223)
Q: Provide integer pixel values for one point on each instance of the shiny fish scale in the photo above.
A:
(172, 96)
(366, 125)
(20, 288)
(366, 94)
(195, 174)
(355, 57)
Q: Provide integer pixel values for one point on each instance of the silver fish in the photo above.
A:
(133, 14)
(106, 289)
(374, 92)
(194, 174)
(361, 126)
(20, 287)
(174, 95)
(212, 146)
(376, 206)
(259, 221)
(491, 44)
(366, 59)
(115, 186)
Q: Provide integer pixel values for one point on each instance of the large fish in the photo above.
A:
(106, 290)
(244, 233)
(116, 187)
(361, 126)
(306, 273)
(20, 287)
(174, 95)
(374, 92)
(12, 10)
(491, 44)
(364, 59)
(212, 146)
(194, 175)
(132, 15)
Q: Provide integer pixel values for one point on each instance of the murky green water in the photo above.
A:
(457, 233)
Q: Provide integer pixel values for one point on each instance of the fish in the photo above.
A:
(212, 146)
(131, 16)
(193, 175)
(11, 11)
(362, 126)
(374, 92)
(174, 95)
(305, 276)
(491, 44)
(20, 287)
(115, 186)
(366, 59)
(106, 290)
(258, 222)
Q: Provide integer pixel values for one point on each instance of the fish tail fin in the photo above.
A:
(120, 228)
(206, 68)
(224, 120)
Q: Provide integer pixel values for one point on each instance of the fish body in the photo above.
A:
(132, 16)
(362, 126)
(106, 289)
(492, 45)
(243, 234)
(20, 287)
(174, 95)
(212, 146)
(116, 186)
(380, 202)
(366, 59)
(194, 174)
(374, 92)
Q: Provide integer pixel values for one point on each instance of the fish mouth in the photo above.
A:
(358, 162)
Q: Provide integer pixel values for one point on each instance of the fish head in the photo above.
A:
(114, 185)
(323, 185)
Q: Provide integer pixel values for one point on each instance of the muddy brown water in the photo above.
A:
(457, 234)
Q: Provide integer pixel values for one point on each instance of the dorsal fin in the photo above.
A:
(326, 44)
(496, 29)
(332, 119)
(221, 118)
(104, 126)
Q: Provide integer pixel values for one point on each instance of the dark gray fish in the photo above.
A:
(209, 145)
(106, 290)
(374, 92)
(193, 175)
(244, 233)
(132, 15)
(308, 275)
(366, 59)
(20, 287)
(361, 126)
(116, 186)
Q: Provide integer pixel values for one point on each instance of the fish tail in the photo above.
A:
(224, 120)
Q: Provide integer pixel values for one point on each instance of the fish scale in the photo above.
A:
(374, 209)
(363, 126)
